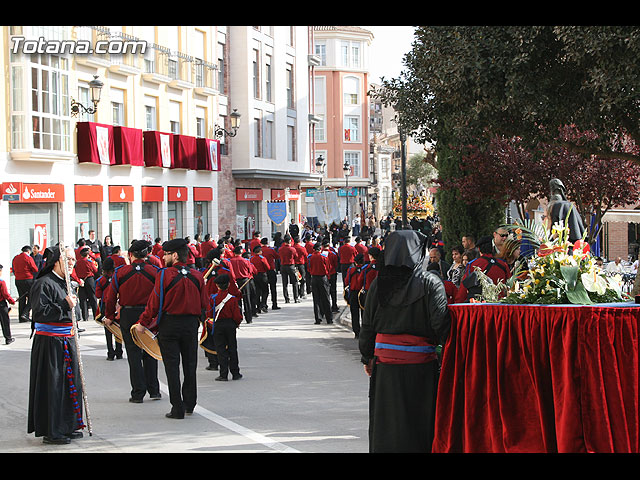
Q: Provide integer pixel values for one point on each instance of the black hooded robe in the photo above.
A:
(55, 397)
(402, 396)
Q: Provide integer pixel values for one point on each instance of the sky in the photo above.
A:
(387, 50)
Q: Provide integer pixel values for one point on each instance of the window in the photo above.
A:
(352, 129)
(257, 135)
(267, 78)
(291, 142)
(351, 90)
(268, 137)
(256, 74)
(289, 84)
(221, 68)
(320, 109)
(321, 51)
(174, 117)
(151, 119)
(354, 161)
(117, 107)
(50, 103)
(201, 128)
(350, 54)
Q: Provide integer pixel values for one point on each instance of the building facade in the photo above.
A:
(159, 157)
(341, 107)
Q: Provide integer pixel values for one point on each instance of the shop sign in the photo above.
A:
(248, 194)
(37, 192)
(11, 191)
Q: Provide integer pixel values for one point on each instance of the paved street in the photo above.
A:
(304, 390)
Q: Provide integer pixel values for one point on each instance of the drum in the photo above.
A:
(114, 328)
(362, 298)
(206, 337)
(146, 341)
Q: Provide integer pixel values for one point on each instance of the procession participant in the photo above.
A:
(95, 245)
(157, 248)
(353, 284)
(308, 246)
(192, 253)
(360, 247)
(301, 260)
(116, 256)
(174, 308)
(223, 308)
(319, 270)
(272, 257)
(346, 254)
(86, 269)
(208, 245)
(24, 270)
(102, 283)
(368, 273)
(130, 287)
(255, 241)
(329, 252)
(5, 297)
(405, 318)
(288, 256)
(243, 271)
(55, 388)
(260, 278)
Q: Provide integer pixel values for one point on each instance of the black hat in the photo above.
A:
(108, 264)
(222, 279)
(174, 245)
(139, 246)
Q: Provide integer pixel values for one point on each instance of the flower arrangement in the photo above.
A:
(560, 272)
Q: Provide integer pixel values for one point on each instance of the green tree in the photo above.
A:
(420, 172)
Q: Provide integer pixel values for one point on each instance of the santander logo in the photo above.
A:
(11, 189)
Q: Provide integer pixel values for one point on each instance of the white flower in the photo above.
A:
(594, 282)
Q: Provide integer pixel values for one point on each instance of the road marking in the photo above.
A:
(239, 429)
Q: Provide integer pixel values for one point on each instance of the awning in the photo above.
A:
(621, 215)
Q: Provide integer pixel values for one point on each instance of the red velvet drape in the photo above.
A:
(526, 378)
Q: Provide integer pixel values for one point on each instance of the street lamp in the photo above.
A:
(404, 179)
(347, 172)
(95, 86)
(235, 124)
(320, 166)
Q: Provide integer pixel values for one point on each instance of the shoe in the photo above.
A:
(135, 400)
(188, 412)
(286, 300)
(264, 310)
(221, 379)
(75, 435)
(237, 377)
(155, 396)
(297, 300)
(9, 340)
(335, 309)
(119, 357)
(174, 415)
(275, 307)
(249, 321)
(212, 367)
(56, 441)
(80, 330)
(111, 358)
(317, 323)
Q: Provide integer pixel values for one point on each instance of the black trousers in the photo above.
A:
(344, 267)
(87, 297)
(178, 341)
(143, 368)
(320, 293)
(288, 273)
(24, 306)
(307, 278)
(262, 289)
(248, 297)
(113, 350)
(333, 279)
(224, 336)
(4, 319)
(272, 279)
(303, 279)
(354, 307)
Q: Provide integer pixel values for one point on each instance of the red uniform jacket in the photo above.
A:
(4, 293)
(271, 255)
(333, 260)
(369, 272)
(230, 310)
(86, 267)
(347, 253)
(309, 247)
(131, 285)
(361, 248)
(288, 254)
(207, 246)
(354, 279)
(498, 271)
(211, 287)
(187, 296)
(24, 267)
(241, 267)
(261, 263)
(318, 264)
(118, 261)
(301, 256)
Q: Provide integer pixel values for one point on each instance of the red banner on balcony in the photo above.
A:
(185, 152)
(128, 146)
(208, 154)
(158, 149)
(95, 143)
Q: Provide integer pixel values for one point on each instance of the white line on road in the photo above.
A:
(234, 427)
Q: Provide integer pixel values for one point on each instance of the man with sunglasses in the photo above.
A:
(500, 234)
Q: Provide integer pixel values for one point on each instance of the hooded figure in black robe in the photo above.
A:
(55, 391)
(405, 318)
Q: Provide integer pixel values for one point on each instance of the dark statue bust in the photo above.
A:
(559, 207)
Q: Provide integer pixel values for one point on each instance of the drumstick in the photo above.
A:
(63, 256)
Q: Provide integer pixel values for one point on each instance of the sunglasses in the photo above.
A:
(503, 235)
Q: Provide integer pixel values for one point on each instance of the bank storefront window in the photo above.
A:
(119, 224)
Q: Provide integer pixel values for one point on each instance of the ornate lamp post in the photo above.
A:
(235, 124)
(95, 86)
